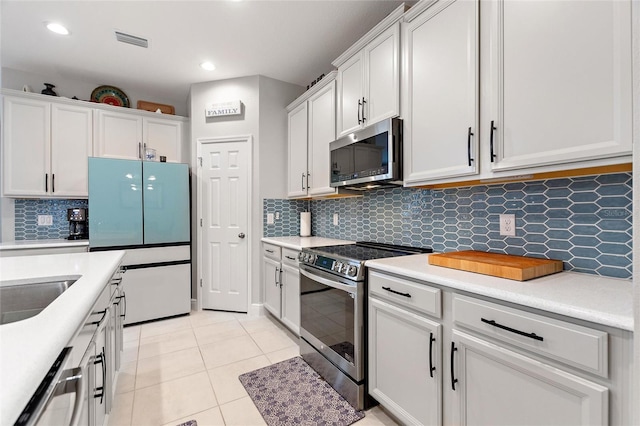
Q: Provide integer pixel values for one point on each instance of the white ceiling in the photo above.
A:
(293, 41)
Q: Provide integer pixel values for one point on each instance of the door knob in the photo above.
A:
(241, 235)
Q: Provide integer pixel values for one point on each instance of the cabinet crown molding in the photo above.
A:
(383, 25)
(86, 104)
(327, 79)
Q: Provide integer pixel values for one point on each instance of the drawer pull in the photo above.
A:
(431, 367)
(396, 292)
(290, 258)
(270, 251)
(513, 330)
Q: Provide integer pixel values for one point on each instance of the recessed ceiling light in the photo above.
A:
(207, 66)
(57, 28)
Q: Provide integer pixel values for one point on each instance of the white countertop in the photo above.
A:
(602, 300)
(29, 347)
(298, 243)
(33, 244)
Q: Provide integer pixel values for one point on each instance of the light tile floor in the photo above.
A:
(187, 368)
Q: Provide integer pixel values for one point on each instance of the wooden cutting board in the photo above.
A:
(519, 268)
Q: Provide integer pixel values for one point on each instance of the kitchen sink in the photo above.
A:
(26, 299)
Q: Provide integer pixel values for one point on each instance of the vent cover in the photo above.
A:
(131, 39)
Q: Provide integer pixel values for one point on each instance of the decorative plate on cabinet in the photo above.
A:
(110, 95)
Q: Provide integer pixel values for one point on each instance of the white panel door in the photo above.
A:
(26, 140)
(165, 136)
(561, 82)
(382, 78)
(322, 131)
(297, 161)
(350, 93)
(441, 92)
(405, 370)
(118, 135)
(224, 207)
(71, 146)
(496, 386)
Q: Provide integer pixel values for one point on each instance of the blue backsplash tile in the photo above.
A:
(584, 221)
(26, 218)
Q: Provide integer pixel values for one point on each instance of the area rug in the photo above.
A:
(291, 393)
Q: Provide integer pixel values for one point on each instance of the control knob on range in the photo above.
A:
(306, 257)
(337, 266)
(352, 271)
(300, 256)
(312, 258)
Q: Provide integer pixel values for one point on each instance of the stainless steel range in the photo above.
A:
(333, 326)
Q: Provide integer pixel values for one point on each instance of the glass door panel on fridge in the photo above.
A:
(166, 202)
(115, 202)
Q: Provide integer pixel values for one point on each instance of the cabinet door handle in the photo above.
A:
(359, 105)
(453, 378)
(308, 174)
(363, 117)
(512, 330)
(431, 367)
(124, 296)
(46, 182)
(493, 129)
(101, 359)
(302, 182)
(275, 276)
(390, 290)
(280, 278)
(140, 150)
(53, 182)
(469, 159)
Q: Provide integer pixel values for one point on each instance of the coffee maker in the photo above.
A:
(78, 223)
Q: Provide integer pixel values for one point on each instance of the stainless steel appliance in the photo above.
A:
(333, 319)
(78, 223)
(370, 158)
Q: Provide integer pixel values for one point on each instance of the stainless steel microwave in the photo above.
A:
(369, 158)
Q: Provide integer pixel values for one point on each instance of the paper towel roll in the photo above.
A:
(305, 224)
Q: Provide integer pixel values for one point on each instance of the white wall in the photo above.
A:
(265, 118)
(16, 79)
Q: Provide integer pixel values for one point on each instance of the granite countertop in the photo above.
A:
(601, 300)
(29, 347)
(298, 243)
(34, 244)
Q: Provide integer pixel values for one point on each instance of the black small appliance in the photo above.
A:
(78, 223)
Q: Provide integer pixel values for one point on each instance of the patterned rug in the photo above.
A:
(292, 393)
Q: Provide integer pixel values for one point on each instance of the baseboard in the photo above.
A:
(257, 309)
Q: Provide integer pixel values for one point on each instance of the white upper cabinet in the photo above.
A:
(127, 135)
(560, 81)
(440, 92)
(322, 131)
(492, 89)
(164, 136)
(369, 77)
(71, 146)
(311, 128)
(118, 135)
(297, 145)
(46, 146)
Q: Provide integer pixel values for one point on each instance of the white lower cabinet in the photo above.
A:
(497, 386)
(399, 338)
(493, 363)
(281, 284)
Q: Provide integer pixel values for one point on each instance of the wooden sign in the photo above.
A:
(223, 109)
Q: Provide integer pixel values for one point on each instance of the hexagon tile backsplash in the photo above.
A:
(584, 221)
(26, 218)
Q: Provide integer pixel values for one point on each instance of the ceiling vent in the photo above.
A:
(131, 39)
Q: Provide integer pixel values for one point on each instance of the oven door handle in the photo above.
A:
(327, 282)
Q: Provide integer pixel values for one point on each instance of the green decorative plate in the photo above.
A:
(110, 95)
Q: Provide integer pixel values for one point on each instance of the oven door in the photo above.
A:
(331, 318)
